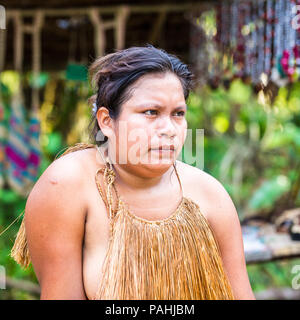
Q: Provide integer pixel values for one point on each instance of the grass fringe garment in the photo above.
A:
(172, 259)
(175, 258)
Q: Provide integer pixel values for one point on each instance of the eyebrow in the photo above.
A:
(160, 107)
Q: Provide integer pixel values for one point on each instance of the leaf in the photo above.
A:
(270, 191)
(280, 138)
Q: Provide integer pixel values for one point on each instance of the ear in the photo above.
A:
(105, 122)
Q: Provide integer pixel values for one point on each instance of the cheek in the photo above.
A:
(135, 130)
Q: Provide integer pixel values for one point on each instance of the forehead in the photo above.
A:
(165, 86)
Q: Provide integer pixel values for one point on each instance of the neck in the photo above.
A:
(139, 179)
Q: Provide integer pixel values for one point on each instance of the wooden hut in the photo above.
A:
(82, 30)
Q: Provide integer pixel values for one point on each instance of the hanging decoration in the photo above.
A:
(3, 122)
(255, 38)
(22, 149)
(16, 149)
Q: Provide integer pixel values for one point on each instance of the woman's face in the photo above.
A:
(153, 117)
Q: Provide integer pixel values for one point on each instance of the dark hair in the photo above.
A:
(111, 77)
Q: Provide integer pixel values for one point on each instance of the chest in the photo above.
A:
(97, 226)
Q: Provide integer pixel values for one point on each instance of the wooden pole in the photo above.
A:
(99, 32)
(120, 27)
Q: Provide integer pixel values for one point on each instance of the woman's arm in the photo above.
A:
(224, 220)
(54, 219)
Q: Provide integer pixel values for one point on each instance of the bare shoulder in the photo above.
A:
(200, 180)
(69, 169)
(208, 192)
(63, 181)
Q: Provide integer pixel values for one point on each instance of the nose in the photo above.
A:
(166, 127)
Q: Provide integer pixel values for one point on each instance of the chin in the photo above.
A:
(157, 169)
(159, 163)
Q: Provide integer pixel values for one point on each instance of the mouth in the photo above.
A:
(164, 148)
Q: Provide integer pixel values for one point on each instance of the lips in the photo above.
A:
(165, 147)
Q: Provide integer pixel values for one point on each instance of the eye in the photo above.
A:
(181, 113)
(151, 110)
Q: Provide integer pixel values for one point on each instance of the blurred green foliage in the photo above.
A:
(251, 143)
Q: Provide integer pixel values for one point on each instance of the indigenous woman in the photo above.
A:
(121, 217)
